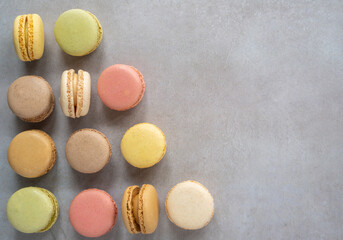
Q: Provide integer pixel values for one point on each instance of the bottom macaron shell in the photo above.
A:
(189, 205)
(93, 213)
(127, 209)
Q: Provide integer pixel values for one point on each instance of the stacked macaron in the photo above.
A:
(32, 153)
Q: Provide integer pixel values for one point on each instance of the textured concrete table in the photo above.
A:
(248, 93)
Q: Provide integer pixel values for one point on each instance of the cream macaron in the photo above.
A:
(189, 205)
(75, 93)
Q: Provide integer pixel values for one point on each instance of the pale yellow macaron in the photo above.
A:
(75, 93)
(143, 145)
(28, 37)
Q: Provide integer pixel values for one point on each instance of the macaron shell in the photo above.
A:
(83, 93)
(100, 32)
(121, 87)
(31, 210)
(19, 38)
(143, 145)
(31, 98)
(189, 205)
(148, 210)
(67, 96)
(88, 150)
(35, 38)
(127, 209)
(32, 153)
(56, 209)
(93, 213)
(78, 32)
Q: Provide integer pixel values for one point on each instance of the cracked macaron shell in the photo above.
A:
(28, 37)
(32, 153)
(32, 210)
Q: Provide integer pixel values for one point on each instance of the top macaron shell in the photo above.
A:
(31, 98)
(121, 87)
(88, 150)
(189, 205)
(32, 153)
(78, 32)
(93, 213)
(143, 145)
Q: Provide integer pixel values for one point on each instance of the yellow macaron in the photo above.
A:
(143, 145)
(28, 37)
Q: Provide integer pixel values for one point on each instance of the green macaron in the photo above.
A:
(78, 32)
(32, 210)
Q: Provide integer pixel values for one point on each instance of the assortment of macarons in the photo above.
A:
(32, 153)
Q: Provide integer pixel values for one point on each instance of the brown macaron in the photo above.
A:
(140, 209)
(88, 150)
(31, 98)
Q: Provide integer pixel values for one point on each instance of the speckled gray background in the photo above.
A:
(248, 93)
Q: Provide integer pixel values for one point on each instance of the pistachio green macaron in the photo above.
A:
(78, 32)
(32, 210)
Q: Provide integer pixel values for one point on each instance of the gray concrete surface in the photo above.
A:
(248, 93)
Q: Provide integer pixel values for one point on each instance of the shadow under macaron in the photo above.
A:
(102, 179)
(93, 60)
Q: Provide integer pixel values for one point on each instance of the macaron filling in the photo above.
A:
(135, 206)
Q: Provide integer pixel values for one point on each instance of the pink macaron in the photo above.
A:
(93, 213)
(121, 87)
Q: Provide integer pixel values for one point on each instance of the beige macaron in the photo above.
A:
(31, 98)
(75, 93)
(140, 209)
(189, 205)
(88, 150)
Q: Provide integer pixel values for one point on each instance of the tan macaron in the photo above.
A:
(140, 209)
(31, 98)
(75, 93)
(32, 153)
